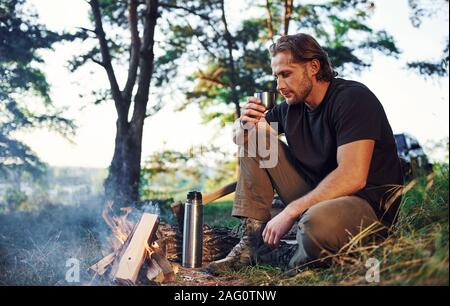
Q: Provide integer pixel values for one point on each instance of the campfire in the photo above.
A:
(136, 250)
(149, 251)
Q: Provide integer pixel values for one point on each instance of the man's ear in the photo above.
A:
(314, 67)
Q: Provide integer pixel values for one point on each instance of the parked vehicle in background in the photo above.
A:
(412, 157)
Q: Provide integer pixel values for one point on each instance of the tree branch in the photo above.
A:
(156, 108)
(229, 40)
(146, 61)
(106, 57)
(193, 12)
(97, 62)
(269, 19)
(288, 7)
(167, 5)
(212, 80)
(134, 50)
(87, 30)
(203, 43)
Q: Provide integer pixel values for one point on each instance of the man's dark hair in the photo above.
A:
(304, 47)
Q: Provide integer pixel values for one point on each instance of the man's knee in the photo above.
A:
(328, 226)
(314, 234)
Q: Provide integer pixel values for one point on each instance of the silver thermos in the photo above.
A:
(193, 231)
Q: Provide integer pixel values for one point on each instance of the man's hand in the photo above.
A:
(277, 228)
(252, 111)
(251, 114)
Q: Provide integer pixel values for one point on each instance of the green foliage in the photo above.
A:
(439, 68)
(220, 79)
(171, 174)
(167, 174)
(346, 39)
(419, 12)
(426, 203)
(14, 198)
(21, 38)
(224, 80)
(225, 170)
(416, 254)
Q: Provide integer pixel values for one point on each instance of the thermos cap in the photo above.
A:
(194, 195)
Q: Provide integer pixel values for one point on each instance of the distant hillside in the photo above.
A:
(61, 185)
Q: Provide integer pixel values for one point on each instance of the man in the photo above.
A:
(339, 174)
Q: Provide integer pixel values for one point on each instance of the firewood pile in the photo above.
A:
(150, 251)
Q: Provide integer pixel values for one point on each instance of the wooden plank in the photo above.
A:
(101, 266)
(159, 256)
(219, 193)
(132, 259)
(178, 207)
(154, 272)
(120, 252)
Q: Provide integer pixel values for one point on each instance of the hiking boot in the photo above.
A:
(243, 253)
(279, 257)
(290, 258)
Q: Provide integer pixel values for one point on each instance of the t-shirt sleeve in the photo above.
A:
(275, 115)
(358, 115)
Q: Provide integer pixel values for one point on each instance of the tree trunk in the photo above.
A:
(288, 8)
(122, 183)
(231, 64)
(269, 20)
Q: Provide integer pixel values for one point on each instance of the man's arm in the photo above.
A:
(350, 176)
(252, 115)
(240, 134)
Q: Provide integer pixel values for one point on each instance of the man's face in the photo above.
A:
(293, 80)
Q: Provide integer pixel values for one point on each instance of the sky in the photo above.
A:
(413, 103)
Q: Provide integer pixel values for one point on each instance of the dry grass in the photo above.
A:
(34, 247)
(415, 254)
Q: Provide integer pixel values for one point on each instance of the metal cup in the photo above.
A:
(268, 98)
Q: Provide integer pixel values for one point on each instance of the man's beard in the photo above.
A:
(304, 90)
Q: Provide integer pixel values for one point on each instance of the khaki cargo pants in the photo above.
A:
(322, 229)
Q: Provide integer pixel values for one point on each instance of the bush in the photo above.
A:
(15, 199)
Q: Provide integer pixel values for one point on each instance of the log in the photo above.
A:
(226, 190)
(101, 266)
(119, 253)
(217, 242)
(178, 207)
(178, 211)
(110, 260)
(165, 266)
(160, 269)
(154, 272)
(131, 260)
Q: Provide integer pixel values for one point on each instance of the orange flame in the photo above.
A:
(120, 226)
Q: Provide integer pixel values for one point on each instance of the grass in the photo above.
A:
(218, 214)
(35, 246)
(416, 254)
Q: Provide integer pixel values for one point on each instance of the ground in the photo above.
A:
(36, 246)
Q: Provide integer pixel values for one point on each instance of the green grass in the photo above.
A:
(218, 214)
(416, 254)
(34, 246)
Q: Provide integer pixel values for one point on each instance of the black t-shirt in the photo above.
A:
(348, 112)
